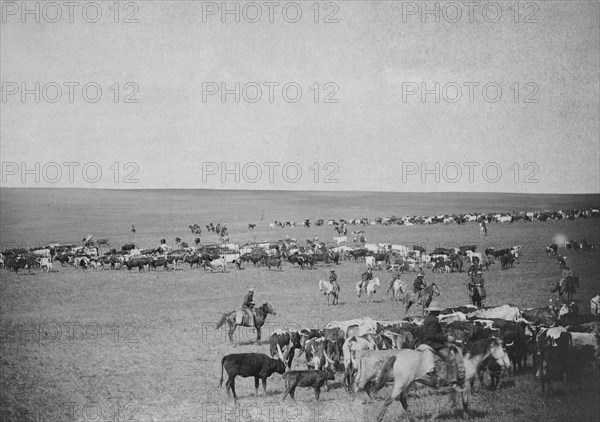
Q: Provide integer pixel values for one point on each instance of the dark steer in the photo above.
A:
(257, 365)
(314, 379)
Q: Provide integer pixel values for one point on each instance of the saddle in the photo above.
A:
(446, 369)
(242, 317)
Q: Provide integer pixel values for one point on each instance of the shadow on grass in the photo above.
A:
(457, 414)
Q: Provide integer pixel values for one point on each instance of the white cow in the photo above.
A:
(45, 263)
(340, 239)
(44, 253)
(370, 260)
(595, 305)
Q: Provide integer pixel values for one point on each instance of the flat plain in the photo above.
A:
(118, 345)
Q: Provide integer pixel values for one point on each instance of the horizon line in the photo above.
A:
(297, 190)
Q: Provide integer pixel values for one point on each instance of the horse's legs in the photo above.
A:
(397, 391)
(231, 330)
(258, 332)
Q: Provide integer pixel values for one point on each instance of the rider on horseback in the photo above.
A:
(247, 307)
(395, 276)
(476, 282)
(333, 279)
(443, 345)
(365, 278)
(419, 284)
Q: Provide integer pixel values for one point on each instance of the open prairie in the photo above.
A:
(118, 345)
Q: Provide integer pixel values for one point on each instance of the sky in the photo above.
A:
(379, 95)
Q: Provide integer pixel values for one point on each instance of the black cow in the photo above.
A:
(257, 365)
(506, 261)
(513, 335)
(128, 247)
(314, 379)
(464, 249)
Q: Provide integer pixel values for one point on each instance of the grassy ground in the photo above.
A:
(113, 345)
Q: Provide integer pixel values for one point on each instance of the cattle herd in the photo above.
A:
(556, 340)
(271, 254)
(558, 343)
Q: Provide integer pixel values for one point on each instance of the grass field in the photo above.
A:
(114, 345)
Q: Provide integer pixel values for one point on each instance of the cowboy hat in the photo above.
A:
(420, 274)
(479, 272)
(435, 306)
(332, 271)
(251, 289)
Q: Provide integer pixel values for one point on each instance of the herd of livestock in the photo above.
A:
(558, 343)
(87, 255)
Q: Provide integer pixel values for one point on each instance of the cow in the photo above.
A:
(351, 350)
(257, 365)
(515, 341)
(46, 263)
(285, 341)
(506, 261)
(314, 379)
(251, 226)
(553, 346)
(507, 312)
(318, 351)
(368, 364)
(268, 262)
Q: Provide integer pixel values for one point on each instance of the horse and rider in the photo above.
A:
(365, 278)
(568, 283)
(444, 347)
(476, 287)
(248, 309)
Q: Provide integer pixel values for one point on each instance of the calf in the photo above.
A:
(257, 365)
(314, 379)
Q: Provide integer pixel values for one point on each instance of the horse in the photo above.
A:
(260, 314)
(409, 366)
(371, 288)
(423, 299)
(477, 295)
(483, 228)
(571, 286)
(397, 288)
(330, 289)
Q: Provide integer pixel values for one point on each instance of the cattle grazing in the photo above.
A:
(251, 226)
(257, 365)
(268, 262)
(552, 249)
(310, 378)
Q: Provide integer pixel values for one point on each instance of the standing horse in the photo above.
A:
(260, 316)
(477, 294)
(423, 299)
(398, 288)
(371, 288)
(571, 286)
(330, 289)
(409, 366)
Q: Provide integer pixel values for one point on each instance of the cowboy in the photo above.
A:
(366, 277)
(562, 283)
(247, 306)
(478, 282)
(395, 276)
(434, 337)
(333, 279)
(419, 284)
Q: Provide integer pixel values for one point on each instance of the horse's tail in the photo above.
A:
(222, 364)
(384, 374)
(222, 320)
